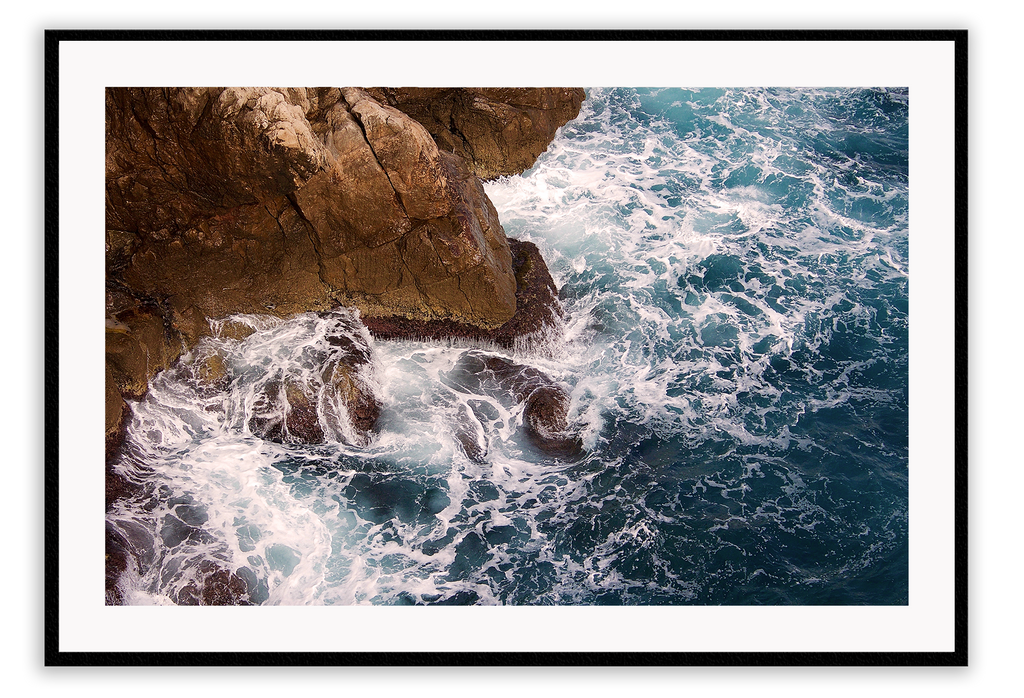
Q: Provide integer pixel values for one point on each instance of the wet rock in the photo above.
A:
(470, 435)
(464, 425)
(117, 486)
(211, 371)
(327, 395)
(129, 553)
(213, 585)
(346, 386)
(545, 414)
(117, 560)
(546, 418)
(285, 411)
(230, 328)
(344, 371)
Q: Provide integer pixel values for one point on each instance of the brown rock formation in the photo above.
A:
(286, 200)
(213, 585)
(501, 131)
(138, 346)
(289, 200)
(537, 309)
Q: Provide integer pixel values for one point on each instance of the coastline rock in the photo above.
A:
(501, 131)
(325, 395)
(223, 201)
(282, 201)
(213, 585)
(545, 415)
(538, 310)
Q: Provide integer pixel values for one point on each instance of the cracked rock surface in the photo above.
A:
(260, 199)
(498, 130)
(288, 200)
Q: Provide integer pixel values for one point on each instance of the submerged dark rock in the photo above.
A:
(546, 417)
(214, 585)
(117, 559)
(546, 412)
(465, 427)
(326, 396)
(129, 552)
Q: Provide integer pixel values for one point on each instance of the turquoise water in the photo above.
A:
(734, 267)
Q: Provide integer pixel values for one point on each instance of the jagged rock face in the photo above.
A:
(223, 201)
(138, 346)
(501, 131)
(288, 200)
(436, 252)
(538, 310)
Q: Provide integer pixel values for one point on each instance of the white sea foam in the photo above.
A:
(660, 348)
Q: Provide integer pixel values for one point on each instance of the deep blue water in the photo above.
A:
(734, 267)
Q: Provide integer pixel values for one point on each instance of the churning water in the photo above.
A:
(734, 267)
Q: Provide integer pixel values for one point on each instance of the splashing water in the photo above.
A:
(734, 267)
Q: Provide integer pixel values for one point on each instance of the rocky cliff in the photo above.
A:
(499, 131)
(287, 200)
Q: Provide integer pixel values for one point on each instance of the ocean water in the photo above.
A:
(734, 268)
